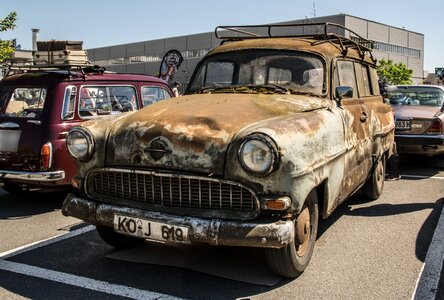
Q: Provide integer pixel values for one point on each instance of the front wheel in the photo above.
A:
(291, 260)
(374, 185)
(117, 240)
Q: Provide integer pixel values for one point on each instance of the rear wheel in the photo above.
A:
(373, 187)
(117, 240)
(291, 261)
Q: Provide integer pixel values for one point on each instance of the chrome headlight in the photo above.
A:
(80, 143)
(258, 154)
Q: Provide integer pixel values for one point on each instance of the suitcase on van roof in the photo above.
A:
(54, 45)
(60, 57)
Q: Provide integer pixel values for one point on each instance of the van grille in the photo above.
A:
(194, 196)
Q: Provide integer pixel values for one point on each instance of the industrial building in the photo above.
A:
(397, 44)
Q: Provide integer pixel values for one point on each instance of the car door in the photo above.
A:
(357, 126)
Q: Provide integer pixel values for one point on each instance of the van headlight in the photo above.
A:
(258, 154)
(80, 143)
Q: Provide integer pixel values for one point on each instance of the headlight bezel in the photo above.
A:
(273, 150)
(90, 143)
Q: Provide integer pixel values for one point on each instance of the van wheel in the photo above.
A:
(291, 260)
(374, 185)
(117, 240)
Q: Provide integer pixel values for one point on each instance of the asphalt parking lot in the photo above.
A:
(365, 250)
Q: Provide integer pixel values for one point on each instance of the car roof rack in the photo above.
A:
(84, 69)
(323, 32)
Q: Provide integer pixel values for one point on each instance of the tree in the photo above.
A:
(6, 47)
(394, 74)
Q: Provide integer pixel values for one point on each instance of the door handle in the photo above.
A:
(364, 116)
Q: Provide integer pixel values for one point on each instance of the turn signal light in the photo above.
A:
(281, 203)
(46, 157)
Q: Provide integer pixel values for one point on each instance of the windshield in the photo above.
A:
(420, 96)
(268, 71)
(23, 102)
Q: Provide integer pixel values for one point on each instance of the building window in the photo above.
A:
(385, 47)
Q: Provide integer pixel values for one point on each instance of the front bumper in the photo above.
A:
(32, 176)
(210, 231)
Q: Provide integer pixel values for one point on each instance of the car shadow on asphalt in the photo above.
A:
(425, 233)
(28, 204)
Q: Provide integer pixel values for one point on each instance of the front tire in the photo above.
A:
(374, 185)
(117, 240)
(291, 260)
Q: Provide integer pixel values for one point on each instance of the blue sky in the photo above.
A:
(111, 22)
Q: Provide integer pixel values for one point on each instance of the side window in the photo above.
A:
(26, 103)
(374, 82)
(68, 103)
(363, 80)
(106, 100)
(153, 94)
(346, 75)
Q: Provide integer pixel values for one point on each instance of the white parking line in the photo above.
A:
(420, 176)
(83, 282)
(74, 280)
(46, 242)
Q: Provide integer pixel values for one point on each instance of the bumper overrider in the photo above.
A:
(211, 231)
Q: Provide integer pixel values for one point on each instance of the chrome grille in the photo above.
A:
(148, 189)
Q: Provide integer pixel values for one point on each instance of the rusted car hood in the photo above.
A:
(412, 111)
(193, 132)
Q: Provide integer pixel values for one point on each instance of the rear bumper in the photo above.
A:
(32, 176)
(210, 231)
(422, 140)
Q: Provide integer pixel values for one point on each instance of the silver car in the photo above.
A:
(419, 117)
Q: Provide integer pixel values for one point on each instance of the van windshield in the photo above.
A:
(23, 102)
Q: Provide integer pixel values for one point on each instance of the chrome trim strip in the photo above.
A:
(9, 125)
(32, 176)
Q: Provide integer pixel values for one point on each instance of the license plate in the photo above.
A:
(403, 124)
(150, 230)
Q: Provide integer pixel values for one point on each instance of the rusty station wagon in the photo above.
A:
(40, 103)
(274, 131)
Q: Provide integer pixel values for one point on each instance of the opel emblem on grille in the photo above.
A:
(158, 148)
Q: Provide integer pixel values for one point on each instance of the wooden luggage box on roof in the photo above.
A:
(60, 52)
(54, 45)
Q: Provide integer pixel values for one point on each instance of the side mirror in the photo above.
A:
(343, 92)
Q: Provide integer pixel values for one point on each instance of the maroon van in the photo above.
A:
(38, 106)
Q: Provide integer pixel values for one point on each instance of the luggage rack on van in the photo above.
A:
(323, 32)
(84, 69)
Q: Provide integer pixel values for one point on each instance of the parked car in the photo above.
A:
(38, 106)
(419, 118)
(272, 133)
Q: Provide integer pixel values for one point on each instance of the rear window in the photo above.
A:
(417, 96)
(23, 102)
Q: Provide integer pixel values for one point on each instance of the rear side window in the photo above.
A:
(26, 102)
(69, 103)
(106, 100)
(153, 94)
(362, 76)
